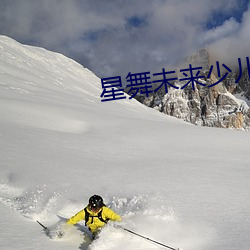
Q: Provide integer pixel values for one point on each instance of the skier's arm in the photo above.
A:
(110, 214)
(77, 217)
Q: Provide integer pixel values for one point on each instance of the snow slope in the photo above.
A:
(176, 183)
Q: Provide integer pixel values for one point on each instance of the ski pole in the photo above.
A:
(45, 228)
(146, 238)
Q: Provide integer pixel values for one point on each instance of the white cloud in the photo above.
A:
(228, 28)
(235, 45)
(97, 32)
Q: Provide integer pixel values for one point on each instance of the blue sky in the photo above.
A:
(114, 37)
(218, 17)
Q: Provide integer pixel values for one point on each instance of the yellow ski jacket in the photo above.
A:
(94, 223)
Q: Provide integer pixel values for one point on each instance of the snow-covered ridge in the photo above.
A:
(35, 75)
(43, 67)
(38, 72)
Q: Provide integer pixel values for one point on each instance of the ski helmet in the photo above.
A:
(95, 202)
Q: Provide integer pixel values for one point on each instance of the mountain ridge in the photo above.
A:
(214, 106)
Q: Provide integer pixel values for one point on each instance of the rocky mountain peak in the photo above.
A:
(199, 59)
(215, 106)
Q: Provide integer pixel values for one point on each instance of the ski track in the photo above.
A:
(145, 214)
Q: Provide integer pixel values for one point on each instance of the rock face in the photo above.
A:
(213, 107)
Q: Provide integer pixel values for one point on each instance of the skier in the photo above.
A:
(95, 214)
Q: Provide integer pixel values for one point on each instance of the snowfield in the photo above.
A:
(182, 185)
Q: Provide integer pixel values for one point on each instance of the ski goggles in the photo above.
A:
(94, 208)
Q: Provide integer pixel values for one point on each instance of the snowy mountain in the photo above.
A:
(218, 106)
(179, 184)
